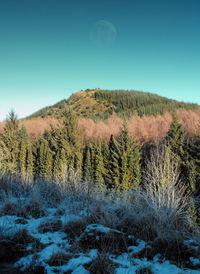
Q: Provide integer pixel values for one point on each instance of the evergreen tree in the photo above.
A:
(87, 164)
(23, 146)
(114, 158)
(10, 145)
(44, 160)
(184, 151)
(30, 162)
(125, 156)
(194, 157)
(130, 160)
(71, 136)
(176, 139)
(99, 168)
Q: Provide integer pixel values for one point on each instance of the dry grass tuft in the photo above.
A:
(59, 259)
(173, 250)
(113, 241)
(35, 209)
(15, 209)
(50, 226)
(13, 248)
(75, 228)
(139, 227)
(102, 265)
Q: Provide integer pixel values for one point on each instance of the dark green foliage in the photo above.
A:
(87, 164)
(114, 159)
(58, 153)
(127, 103)
(15, 150)
(187, 153)
(71, 144)
(194, 154)
(44, 159)
(194, 161)
(176, 138)
(177, 141)
(94, 162)
(25, 163)
(124, 162)
(61, 155)
(9, 144)
(106, 102)
(99, 165)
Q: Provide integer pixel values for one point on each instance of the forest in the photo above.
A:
(100, 104)
(69, 202)
(62, 154)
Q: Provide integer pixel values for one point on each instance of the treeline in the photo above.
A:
(128, 103)
(100, 104)
(61, 154)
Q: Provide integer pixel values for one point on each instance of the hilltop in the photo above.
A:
(102, 112)
(101, 104)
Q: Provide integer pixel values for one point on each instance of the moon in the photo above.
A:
(103, 33)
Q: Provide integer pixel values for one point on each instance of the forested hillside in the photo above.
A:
(100, 104)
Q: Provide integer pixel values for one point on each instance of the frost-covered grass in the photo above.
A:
(77, 227)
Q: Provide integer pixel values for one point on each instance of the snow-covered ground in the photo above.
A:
(64, 239)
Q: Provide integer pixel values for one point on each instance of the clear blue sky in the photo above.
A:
(51, 48)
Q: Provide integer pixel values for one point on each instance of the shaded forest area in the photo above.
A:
(62, 154)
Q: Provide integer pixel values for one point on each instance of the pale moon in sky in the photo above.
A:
(103, 33)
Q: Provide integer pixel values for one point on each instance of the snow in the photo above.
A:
(69, 218)
(100, 228)
(24, 262)
(51, 237)
(49, 251)
(195, 261)
(8, 227)
(57, 242)
(132, 265)
(82, 259)
(138, 248)
(80, 270)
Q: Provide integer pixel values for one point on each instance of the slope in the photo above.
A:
(101, 104)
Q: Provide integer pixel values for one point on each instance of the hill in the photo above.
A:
(101, 104)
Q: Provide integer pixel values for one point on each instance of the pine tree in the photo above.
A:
(114, 158)
(44, 160)
(124, 168)
(185, 151)
(177, 141)
(10, 145)
(71, 135)
(30, 163)
(56, 166)
(176, 138)
(99, 168)
(194, 157)
(130, 160)
(87, 164)
(23, 145)
(194, 168)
